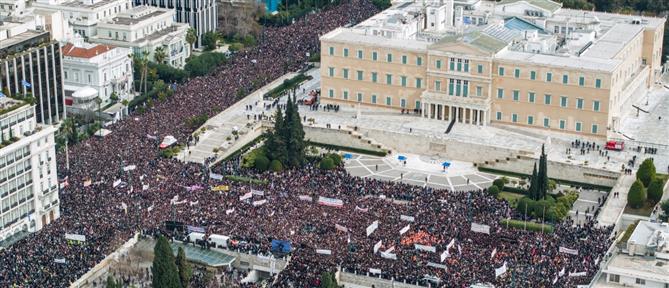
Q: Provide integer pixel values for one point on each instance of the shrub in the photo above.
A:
(655, 190)
(276, 165)
(531, 226)
(637, 195)
(493, 191)
(646, 172)
(327, 163)
(665, 210)
(499, 182)
(249, 159)
(261, 163)
(336, 158)
(234, 47)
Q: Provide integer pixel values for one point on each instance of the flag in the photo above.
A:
(561, 272)
(494, 252)
(26, 84)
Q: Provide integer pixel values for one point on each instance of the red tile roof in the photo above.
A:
(79, 52)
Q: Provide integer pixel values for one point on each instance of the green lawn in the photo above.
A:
(510, 197)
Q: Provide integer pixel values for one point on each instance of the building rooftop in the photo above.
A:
(543, 4)
(136, 15)
(639, 267)
(566, 61)
(651, 234)
(9, 104)
(84, 4)
(613, 41)
(85, 52)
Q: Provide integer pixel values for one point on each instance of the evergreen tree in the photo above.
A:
(296, 141)
(164, 269)
(185, 271)
(533, 191)
(275, 144)
(543, 174)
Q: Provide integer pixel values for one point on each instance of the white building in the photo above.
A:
(201, 15)
(644, 262)
(28, 180)
(145, 28)
(93, 71)
(12, 8)
(84, 15)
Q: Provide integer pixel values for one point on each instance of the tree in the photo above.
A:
(164, 269)
(543, 174)
(646, 172)
(185, 271)
(191, 37)
(499, 183)
(637, 195)
(160, 54)
(493, 190)
(294, 135)
(532, 191)
(655, 190)
(275, 144)
(276, 165)
(261, 163)
(326, 164)
(328, 280)
(210, 40)
(111, 283)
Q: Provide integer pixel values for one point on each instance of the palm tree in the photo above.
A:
(160, 54)
(191, 36)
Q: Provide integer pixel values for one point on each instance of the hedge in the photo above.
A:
(243, 149)
(514, 190)
(243, 179)
(561, 182)
(531, 226)
(286, 85)
(629, 231)
(350, 149)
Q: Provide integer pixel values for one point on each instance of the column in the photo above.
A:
(423, 109)
(440, 112)
(471, 116)
(457, 114)
(444, 112)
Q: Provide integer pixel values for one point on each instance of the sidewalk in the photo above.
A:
(614, 207)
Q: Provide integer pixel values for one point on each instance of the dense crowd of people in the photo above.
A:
(107, 201)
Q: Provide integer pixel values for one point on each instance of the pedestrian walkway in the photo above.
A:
(615, 206)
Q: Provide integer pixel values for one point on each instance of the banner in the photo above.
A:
(306, 198)
(407, 218)
(374, 271)
(561, 272)
(197, 229)
(330, 202)
(59, 260)
(194, 203)
(124, 207)
(88, 183)
(129, 168)
(444, 255)
(149, 209)
(258, 203)
(229, 211)
(377, 246)
(341, 228)
(568, 251)
(215, 176)
(75, 237)
(246, 196)
(436, 265)
(220, 188)
(145, 187)
(578, 274)
(388, 255)
(425, 248)
(480, 228)
(361, 209)
(391, 249)
(494, 252)
(405, 229)
(258, 192)
(116, 183)
(501, 270)
(371, 228)
(323, 251)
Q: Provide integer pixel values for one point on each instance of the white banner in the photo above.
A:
(374, 271)
(341, 228)
(361, 209)
(444, 255)
(258, 192)
(145, 187)
(494, 252)
(260, 202)
(407, 218)
(129, 168)
(436, 265)
(305, 198)
(330, 202)
(388, 255)
(480, 228)
(405, 229)
(425, 248)
(229, 211)
(578, 274)
(568, 251)
(75, 237)
(149, 209)
(371, 228)
(377, 246)
(116, 183)
(501, 270)
(561, 272)
(215, 176)
(323, 251)
(245, 196)
(60, 260)
(391, 249)
(194, 203)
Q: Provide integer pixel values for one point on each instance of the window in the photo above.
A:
(530, 120)
(614, 278)
(438, 64)
(516, 73)
(579, 103)
(459, 64)
(516, 95)
(359, 97)
(563, 101)
(479, 91)
(640, 281)
(581, 81)
(466, 65)
(598, 83)
(389, 58)
(595, 106)
(404, 59)
(419, 83)
(373, 99)
(500, 93)
(331, 71)
(501, 71)
(389, 79)
(451, 86)
(403, 81)
(565, 79)
(578, 126)
(533, 75)
(458, 87)
(479, 69)
(345, 95)
(498, 116)
(594, 128)
(547, 122)
(403, 103)
(359, 75)
(547, 99)
(389, 100)
(375, 56)
(563, 123)
(345, 52)
(530, 97)
(345, 71)
(465, 88)
(437, 85)
(419, 61)
(331, 51)
(359, 54)
(452, 64)
(331, 93)
(514, 117)
(417, 104)
(549, 77)
(374, 77)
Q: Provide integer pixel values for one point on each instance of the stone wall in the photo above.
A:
(339, 137)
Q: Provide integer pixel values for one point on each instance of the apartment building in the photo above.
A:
(518, 62)
(201, 15)
(28, 180)
(84, 15)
